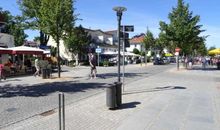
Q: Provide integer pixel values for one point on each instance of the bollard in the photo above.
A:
(61, 111)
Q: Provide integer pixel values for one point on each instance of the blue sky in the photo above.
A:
(98, 14)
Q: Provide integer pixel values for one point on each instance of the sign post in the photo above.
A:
(125, 36)
(177, 50)
(98, 50)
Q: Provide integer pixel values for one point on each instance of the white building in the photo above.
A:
(100, 39)
(136, 42)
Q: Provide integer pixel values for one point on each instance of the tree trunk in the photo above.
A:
(58, 55)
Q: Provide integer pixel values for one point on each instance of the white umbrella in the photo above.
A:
(27, 50)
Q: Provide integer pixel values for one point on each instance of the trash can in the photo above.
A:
(118, 86)
(218, 65)
(44, 73)
(111, 96)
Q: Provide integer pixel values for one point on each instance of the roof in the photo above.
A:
(137, 39)
(111, 32)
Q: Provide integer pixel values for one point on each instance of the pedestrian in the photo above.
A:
(92, 63)
(37, 67)
(2, 72)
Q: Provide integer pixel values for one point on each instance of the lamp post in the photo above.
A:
(119, 10)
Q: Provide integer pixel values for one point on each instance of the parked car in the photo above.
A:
(158, 61)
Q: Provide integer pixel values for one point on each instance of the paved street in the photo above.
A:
(158, 98)
(24, 97)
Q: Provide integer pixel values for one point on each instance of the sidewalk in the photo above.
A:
(175, 100)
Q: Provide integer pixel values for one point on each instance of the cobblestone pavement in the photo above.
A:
(172, 100)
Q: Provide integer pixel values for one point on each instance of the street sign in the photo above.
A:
(177, 49)
(129, 28)
(98, 50)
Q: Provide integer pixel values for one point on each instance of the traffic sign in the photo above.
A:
(98, 50)
(129, 28)
(177, 49)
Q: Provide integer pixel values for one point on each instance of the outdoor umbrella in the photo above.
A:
(5, 51)
(215, 51)
(27, 50)
(168, 54)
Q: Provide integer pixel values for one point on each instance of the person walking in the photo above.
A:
(2, 72)
(37, 67)
(92, 63)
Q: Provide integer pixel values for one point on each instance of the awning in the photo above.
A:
(215, 51)
(26, 50)
(5, 51)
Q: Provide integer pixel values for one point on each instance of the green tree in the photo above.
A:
(31, 10)
(136, 51)
(149, 40)
(183, 30)
(14, 25)
(77, 42)
(56, 17)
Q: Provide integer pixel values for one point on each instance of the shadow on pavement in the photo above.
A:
(208, 68)
(154, 89)
(47, 88)
(129, 105)
(111, 75)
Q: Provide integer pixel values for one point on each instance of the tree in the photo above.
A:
(149, 41)
(30, 10)
(77, 41)
(14, 25)
(183, 30)
(56, 17)
(136, 51)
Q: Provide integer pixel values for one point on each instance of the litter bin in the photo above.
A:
(44, 73)
(111, 96)
(118, 86)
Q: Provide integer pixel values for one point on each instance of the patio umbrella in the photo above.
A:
(5, 51)
(27, 50)
(168, 54)
(215, 52)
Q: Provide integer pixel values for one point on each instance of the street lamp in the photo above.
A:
(119, 10)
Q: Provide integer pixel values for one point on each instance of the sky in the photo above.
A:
(143, 14)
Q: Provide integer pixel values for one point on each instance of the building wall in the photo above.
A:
(6, 40)
(64, 53)
(138, 46)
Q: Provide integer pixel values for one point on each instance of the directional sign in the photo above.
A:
(129, 28)
(98, 50)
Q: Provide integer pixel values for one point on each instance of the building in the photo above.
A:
(136, 42)
(100, 39)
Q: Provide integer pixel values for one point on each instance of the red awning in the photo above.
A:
(5, 51)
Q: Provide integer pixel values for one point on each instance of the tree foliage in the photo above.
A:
(14, 25)
(30, 10)
(77, 40)
(136, 51)
(183, 30)
(149, 40)
(55, 18)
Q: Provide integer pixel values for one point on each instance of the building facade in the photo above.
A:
(136, 42)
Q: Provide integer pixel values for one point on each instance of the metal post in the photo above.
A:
(177, 62)
(119, 14)
(98, 59)
(60, 123)
(63, 111)
(123, 74)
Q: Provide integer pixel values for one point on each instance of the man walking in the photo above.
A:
(92, 63)
(2, 73)
(36, 64)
